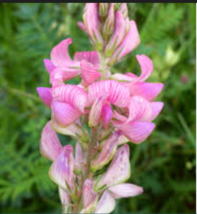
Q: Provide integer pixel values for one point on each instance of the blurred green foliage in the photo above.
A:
(164, 165)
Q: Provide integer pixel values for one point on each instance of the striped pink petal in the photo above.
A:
(118, 94)
(139, 108)
(147, 90)
(130, 42)
(146, 67)
(64, 113)
(61, 171)
(49, 65)
(137, 131)
(64, 197)
(59, 54)
(45, 95)
(90, 56)
(59, 75)
(119, 169)
(156, 109)
(89, 196)
(125, 190)
(106, 115)
(89, 72)
(119, 33)
(71, 94)
(108, 150)
(50, 146)
(106, 203)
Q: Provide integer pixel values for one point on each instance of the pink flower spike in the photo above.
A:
(90, 56)
(106, 203)
(81, 26)
(137, 131)
(59, 54)
(106, 115)
(146, 67)
(156, 109)
(130, 42)
(125, 190)
(72, 94)
(50, 146)
(119, 169)
(108, 150)
(90, 197)
(64, 113)
(61, 171)
(48, 65)
(118, 93)
(89, 72)
(45, 95)
(147, 90)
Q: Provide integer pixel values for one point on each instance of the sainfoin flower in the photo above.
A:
(102, 113)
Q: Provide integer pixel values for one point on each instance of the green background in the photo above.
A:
(164, 164)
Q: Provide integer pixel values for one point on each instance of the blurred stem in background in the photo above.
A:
(165, 164)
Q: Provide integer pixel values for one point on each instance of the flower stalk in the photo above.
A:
(102, 113)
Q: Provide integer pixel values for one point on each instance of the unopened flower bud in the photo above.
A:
(124, 10)
(103, 9)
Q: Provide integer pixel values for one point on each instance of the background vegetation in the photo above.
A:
(164, 165)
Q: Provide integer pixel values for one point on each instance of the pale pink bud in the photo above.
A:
(61, 171)
(109, 23)
(124, 10)
(81, 26)
(106, 114)
(119, 169)
(45, 95)
(125, 190)
(90, 197)
(50, 146)
(65, 200)
(106, 203)
(103, 9)
(79, 159)
(107, 153)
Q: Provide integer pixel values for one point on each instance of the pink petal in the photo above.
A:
(64, 197)
(90, 56)
(59, 54)
(61, 171)
(90, 197)
(96, 111)
(106, 203)
(73, 129)
(45, 95)
(117, 92)
(146, 67)
(130, 42)
(137, 131)
(64, 113)
(122, 140)
(89, 72)
(59, 75)
(156, 109)
(91, 21)
(119, 169)
(106, 115)
(49, 65)
(147, 90)
(81, 26)
(50, 146)
(71, 94)
(119, 33)
(123, 77)
(124, 10)
(107, 153)
(139, 108)
(125, 190)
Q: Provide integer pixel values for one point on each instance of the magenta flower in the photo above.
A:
(103, 113)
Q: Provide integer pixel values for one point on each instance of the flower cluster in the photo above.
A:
(102, 113)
